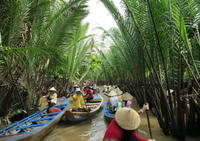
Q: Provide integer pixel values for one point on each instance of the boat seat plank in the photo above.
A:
(30, 126)
(45, 118)
(33, 130)
(21, 122)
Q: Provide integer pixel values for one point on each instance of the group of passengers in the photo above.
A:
(80, 96)
(117, 102)
(83, 95)
(52, 101)
(122, 128)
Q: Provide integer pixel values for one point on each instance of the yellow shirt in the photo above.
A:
(78, 101)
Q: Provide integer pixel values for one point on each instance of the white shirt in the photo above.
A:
(114, 101)
(54, 98)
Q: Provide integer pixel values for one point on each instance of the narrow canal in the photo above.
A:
(94, 129)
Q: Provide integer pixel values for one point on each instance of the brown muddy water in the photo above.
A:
(94, 129)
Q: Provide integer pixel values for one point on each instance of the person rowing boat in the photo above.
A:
(123, 127)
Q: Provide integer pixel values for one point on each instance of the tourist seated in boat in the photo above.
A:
(127, 103)
(127, 100)
(124, 127)
(51, 104)
(74, 89)
(85, 83)
(105, 89)
(89, 93)
(78, 101)
(53, 95)
(113, 103)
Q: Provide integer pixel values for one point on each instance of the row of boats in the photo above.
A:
(39, 124)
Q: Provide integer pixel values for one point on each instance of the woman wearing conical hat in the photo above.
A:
(124, 126)
(53, 95)
(127, 100)
(52, 101)
(78, 101)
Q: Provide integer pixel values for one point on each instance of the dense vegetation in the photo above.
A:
(156, 52)
(43, 44)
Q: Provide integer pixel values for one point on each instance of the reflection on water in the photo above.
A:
(94, 129)
(90, 130)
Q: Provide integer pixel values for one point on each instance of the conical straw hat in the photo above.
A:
(118, 91)
(52, 89)
(127, 96)
(112, 93)
(127, 118)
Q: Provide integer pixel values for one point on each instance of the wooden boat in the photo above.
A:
(94, 105)
(35, 126)
(108, 114)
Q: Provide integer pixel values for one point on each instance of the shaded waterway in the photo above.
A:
(94, 129)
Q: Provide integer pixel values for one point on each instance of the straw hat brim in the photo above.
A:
(52, 89)
(112, 93)
(118, 91)
(127, 96)
(127, 119)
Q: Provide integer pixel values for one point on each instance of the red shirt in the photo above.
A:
(115, 132)
(89, 92)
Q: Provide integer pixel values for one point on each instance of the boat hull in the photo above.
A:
(39, 133)
(72, 116)
(108, 115)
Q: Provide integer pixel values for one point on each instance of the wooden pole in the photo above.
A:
(147, 114)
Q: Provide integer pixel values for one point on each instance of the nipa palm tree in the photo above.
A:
(41, 40)
(155, 47)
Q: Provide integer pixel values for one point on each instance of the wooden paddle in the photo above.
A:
(147, 115)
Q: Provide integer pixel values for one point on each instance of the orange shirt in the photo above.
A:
(54, 110)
